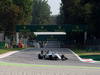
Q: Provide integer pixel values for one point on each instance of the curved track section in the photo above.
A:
(30, 56)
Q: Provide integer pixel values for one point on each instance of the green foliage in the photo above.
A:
(41, 12)
(60, 17)
(32, 36)
(53, 19)
(27, 6)
(82, 12)
(10, 15)
(29, 35)
(95, 17)
(94, 57)
(14, 12)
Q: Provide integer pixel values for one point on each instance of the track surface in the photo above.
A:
(30, 56)
(72, 66)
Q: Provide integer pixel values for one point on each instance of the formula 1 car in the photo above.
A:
(50, 55)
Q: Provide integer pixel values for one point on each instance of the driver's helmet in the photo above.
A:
(53, 53)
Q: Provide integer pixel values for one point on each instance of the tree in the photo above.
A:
(27, 7)
(41, 12)
(10, 16)
(14, 12)
(53, 19)
(72, 14)
(92, 18)
(60, 17)
(95, 18)
(82, 12)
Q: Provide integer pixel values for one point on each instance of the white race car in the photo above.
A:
(50, 55)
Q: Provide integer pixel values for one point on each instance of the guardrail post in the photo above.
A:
(17, 38)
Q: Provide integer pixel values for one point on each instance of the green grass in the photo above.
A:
(87, 55)
(5, 50)
(94, 57)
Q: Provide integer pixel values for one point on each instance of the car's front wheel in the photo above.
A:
(40, 56)
(63, 57)
(50, 57)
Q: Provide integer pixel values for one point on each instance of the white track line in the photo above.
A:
(8, 54)
(83, 60)
(76, 55)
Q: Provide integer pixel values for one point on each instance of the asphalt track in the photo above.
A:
(26, 62)
(30, 56)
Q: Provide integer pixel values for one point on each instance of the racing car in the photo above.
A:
(50, 55)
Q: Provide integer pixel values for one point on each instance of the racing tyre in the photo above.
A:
(63, 57)
(50, 57)
(40, 56)
(55, 57)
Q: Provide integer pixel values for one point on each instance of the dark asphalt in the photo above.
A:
(30, 56)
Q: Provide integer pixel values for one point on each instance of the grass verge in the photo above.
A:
(5, 50)
(87, 55)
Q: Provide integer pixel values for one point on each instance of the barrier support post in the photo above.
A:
(17, 38)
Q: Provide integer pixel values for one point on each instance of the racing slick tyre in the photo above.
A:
(55, 57)
(40, 56)
(50, 57)
(63, 57)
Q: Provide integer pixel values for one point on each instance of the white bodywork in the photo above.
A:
(53, 54)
